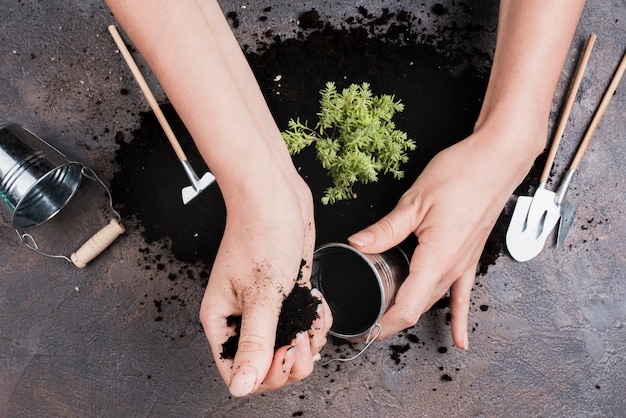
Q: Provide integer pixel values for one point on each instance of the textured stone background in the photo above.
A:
(117, 339)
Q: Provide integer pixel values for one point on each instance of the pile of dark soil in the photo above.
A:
(441, 106)
(298, 312)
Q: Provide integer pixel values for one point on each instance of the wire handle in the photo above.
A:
(368, 342)
(97, 243)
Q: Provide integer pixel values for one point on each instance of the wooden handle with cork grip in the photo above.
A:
(97, 243)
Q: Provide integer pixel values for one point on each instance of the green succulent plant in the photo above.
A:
(355, 138)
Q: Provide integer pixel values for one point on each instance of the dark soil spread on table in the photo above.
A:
(441, 105)
(440, 85)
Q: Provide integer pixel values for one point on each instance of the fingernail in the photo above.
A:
(465, 342)
(304, 345)
(290, 358)
(301, 337)
(362, 239)
(291, 351)
(317, 358)
(316, 293)
(243, 381)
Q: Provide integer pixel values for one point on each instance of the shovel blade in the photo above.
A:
(196, 187)
(532, 221)
(568, 213)
(542, 209)
(519, 241)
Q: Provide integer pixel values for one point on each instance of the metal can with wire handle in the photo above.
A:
(37, 182)
(358, 287)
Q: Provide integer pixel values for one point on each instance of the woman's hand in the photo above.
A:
(269, 226)
(455, 202)
(452, 207)
(266, 239)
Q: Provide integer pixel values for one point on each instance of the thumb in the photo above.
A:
(388, 232)
(255, 350)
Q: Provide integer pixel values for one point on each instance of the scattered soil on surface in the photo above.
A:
(442, 92)
(441, 105)
(397, 350)
(297, 314)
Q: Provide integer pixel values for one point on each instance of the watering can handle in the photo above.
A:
(97, 243)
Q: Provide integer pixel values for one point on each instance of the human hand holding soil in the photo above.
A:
(269, 227)
(269, 230)
(266, 246)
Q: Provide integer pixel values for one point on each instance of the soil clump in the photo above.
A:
(297, 314)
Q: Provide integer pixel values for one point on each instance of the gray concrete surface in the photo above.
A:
(77, 343)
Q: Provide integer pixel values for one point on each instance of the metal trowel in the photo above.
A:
(529, 228)
(534, 217)
(567, 209)
(520, 244)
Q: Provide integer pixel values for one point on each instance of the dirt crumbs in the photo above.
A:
(442, 93)
(297, 314)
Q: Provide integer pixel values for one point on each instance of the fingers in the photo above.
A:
(422, 288)
(321, 325)
(214, 311)
(256, 367)
(303, 366)
(307, 344)
(459, 308)
(430, 284)
(291, 364)
(255, 348)
(296, 362)
(254, 355)
(405, 311)
(388, 231)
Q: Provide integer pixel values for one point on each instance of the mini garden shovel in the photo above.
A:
(197, 184)
(521, 246)
(534, 217)
(568, 209)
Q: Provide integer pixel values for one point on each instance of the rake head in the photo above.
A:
(197, 184)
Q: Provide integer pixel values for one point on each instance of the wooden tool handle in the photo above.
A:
(96, 244)
(147, 92)
(610, 91)
(569, 103)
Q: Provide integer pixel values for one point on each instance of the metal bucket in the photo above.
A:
(358, 287)
(36, 180)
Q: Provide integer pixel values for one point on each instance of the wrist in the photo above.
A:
(522, 130)
(510, 146)
(258, 178)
